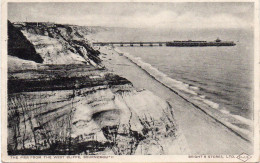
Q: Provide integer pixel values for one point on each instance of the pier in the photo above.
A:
(188, 43)
(130, 43)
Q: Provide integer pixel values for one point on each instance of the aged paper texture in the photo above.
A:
(130, 81)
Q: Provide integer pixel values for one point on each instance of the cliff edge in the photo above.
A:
(71, 104)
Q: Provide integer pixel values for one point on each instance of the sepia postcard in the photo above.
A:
(130, 81)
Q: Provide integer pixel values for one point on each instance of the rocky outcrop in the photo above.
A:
(89, 111)
(63, 77)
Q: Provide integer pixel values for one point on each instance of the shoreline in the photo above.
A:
(114, 56)
(187, 100)
(242, 133)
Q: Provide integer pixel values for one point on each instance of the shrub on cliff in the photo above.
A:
(19, 46)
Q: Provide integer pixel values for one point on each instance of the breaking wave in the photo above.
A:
(188, 92)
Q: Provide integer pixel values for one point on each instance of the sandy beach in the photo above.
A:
(203, 134)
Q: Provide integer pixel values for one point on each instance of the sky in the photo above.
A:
(196, 15)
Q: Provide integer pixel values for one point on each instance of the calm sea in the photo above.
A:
(223, 75)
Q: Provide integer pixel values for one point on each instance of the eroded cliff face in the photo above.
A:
(99, 120)
(61, 44)
(81, 107)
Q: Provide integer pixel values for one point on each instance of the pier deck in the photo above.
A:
(188, 43)
(129, 43)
